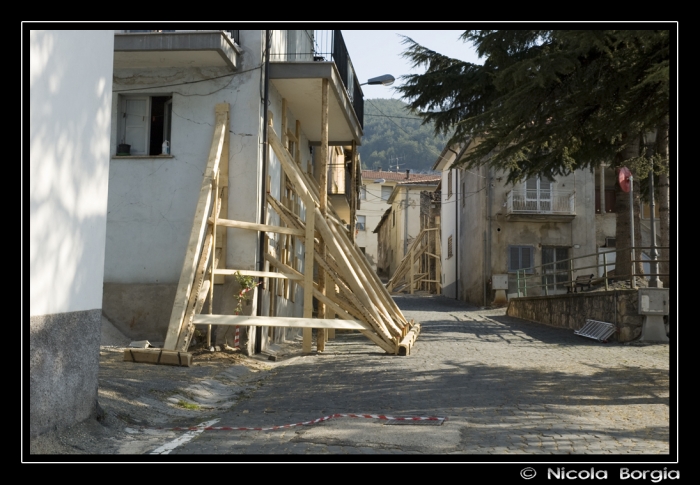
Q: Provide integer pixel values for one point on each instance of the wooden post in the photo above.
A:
(410, 266)
(308, 270)
(353, 191)
(323, 200)
(223, 211)
(194, 245)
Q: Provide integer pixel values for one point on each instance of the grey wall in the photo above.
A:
(64, 355)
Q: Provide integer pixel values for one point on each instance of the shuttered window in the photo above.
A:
(520, 257)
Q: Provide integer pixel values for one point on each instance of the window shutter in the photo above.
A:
(526, 257)
(514, 258)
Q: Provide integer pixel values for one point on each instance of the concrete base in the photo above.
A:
(500, 299)
(64, 360)
(653, 329)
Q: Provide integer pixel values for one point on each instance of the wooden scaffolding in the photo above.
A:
(420, 269)
(349, 293)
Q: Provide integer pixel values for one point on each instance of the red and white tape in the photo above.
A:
(306, 423)
(236, 341)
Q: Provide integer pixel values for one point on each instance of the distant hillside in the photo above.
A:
(393, 135)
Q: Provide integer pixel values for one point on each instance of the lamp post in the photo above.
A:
(654, 282)
(384, 80)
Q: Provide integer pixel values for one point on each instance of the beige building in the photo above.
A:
(492, 228)
(377, 186)
(401, 222)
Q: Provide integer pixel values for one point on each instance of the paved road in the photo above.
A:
(507, 386)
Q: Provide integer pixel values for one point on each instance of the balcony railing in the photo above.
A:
(320, 46)
(234, 34)
(540, 202)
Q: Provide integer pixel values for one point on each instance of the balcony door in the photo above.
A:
(538, 195)
(555, 268)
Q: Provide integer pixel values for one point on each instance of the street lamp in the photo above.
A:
(384, 80)
(654, 282)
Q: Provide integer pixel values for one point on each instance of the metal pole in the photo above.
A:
(632, 257)
(654, 281)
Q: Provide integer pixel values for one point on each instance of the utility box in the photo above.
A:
(499, 282)
(653, 303)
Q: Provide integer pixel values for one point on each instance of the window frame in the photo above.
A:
(520, 248)
(391, 189)
(122, 121)
(361, 225)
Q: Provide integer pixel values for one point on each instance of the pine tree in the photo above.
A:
(550, 101)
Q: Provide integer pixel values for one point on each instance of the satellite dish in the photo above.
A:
(623, 178)
(379, 181)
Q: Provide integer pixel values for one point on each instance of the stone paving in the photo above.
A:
(507, 387)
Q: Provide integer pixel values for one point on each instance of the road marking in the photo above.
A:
(168, 447)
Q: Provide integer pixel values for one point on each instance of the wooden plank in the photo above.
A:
(158, 356)
(258, 227)
(291, 322)
(288, 165)
(221, 236)
(407, 342)
(372, 275)
(323, 203)
(259, 274)
(350, 275)
(194, 244)
(368, 287)
(308, 269)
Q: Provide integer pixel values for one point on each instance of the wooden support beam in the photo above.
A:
(377, 285)
(158, 356)
(291, 322)
(259, 274)
(258, 227)
(323, 204)
(194, 245)
(350, 275)
(308, 269)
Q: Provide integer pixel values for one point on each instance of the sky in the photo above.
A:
(377, 52)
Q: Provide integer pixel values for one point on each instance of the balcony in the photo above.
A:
(299, 61)
(157, 49)
(544, 205)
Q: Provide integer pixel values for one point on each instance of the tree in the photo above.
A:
(549, 101)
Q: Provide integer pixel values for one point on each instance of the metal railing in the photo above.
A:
(321, 46)
(234, 34)
(540, 202)
(550, 277)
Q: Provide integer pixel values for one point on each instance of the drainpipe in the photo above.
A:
(488, 215)
(456, 246)
(405, 227)
(263, 189)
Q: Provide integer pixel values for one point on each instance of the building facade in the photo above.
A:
(166, 87)
(401, 222)
(376, 188)
(70, 93)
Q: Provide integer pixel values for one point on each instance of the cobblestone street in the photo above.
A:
(506, 386)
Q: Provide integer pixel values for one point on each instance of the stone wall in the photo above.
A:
(572, 310)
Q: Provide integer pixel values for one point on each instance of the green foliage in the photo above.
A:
(544, 101)
(392, 132)
(247, 283)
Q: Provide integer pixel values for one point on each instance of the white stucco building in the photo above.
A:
(166, 87)
(70, 94)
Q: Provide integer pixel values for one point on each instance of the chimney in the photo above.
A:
(407, 172)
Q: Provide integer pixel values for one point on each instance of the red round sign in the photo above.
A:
(623, 178)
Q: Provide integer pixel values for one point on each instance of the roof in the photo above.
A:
(399, 176)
